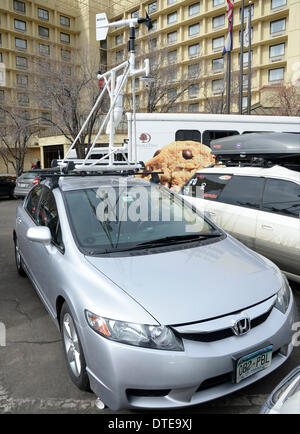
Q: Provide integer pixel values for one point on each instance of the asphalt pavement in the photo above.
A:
(33, 372)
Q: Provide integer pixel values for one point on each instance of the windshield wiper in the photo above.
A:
(175, 239)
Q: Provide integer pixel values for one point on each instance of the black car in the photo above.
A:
(7, 187)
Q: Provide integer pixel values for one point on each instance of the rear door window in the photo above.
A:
(209, 135)
(33, 201)
(243, 191)
(282, 197)
(207, 186)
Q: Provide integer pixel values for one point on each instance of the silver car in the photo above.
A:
(157, 306)
(24, 183)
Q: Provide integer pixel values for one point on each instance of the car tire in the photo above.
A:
(73, 350)
(18, 258)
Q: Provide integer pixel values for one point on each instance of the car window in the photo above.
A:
(243, 191)
(207, 186)
(33, 201)
(27, 176)
(282, 197)
(48, 216)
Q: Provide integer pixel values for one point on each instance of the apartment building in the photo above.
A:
(188, 37)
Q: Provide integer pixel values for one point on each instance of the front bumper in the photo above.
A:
(125, 376)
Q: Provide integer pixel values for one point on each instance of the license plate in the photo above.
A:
(253, 363)
(22, 185)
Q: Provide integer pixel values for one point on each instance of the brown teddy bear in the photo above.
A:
(179, 161)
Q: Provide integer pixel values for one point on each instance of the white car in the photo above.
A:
(258, 206)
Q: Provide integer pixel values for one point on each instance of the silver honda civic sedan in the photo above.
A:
(157, 306)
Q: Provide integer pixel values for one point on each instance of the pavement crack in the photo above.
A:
(18, 306)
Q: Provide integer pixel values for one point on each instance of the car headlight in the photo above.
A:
(141, 335)
(283, 296)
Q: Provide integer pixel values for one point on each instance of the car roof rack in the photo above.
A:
(112, 83)
(258, 150)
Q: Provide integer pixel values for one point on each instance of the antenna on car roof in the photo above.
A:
(113, 82)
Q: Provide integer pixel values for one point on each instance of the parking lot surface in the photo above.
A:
(33, 372)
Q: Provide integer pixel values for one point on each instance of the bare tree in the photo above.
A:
(69, 92)
(167, 86)
(15, 136)
(285, 100)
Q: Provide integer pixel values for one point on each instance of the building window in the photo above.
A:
(172, 74)
(277, 50)
(171, 94)
(240, 34)
(245, 81)
(218, 86)
(172, 18)
(43, 14)
(23, 99)
(44, 32)
(1, 57)
(1, 96)
(171, 2)
(277, 3)
(64, 38)
(19, 6)
(246, 11)
(46, 117)
(21, 62)
(172, 57)
(44, 50)
(193, 108)
(135, 14)
(119, 55)
(218, 21)
(64, 21)
(153, 44)
(22, 80)
(21, 44)
(0, 40)
(193, 70)
(218, 2)
(218, 64)
(2, 116)
(276, 75)
(119, 39)
(193, 50)
(277, 26)
(152, 7)
(154, 26)
(66, 55)
(244, 102)
(193, 90)
(20, 25)
(194, 29)
(218, 43)
(172, 37)
(194, 9)
(246, 58)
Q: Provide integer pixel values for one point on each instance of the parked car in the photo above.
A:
(156, 312)
(258, 204)
(29, 179)
(6, 187)
(285, 399)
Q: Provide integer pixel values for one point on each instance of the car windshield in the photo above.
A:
(113, 219)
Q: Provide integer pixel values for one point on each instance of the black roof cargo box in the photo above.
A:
(261, 149)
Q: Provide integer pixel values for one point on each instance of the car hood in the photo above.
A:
(193, 284)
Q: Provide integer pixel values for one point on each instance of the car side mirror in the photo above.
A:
(39, 234)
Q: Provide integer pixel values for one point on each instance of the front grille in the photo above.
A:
(222, 334)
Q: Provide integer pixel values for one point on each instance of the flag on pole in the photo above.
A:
(247, 32)
(228, 42)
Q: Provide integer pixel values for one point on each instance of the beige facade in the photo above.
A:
(196, 31)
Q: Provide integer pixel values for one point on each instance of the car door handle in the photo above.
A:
(270, 228)
(19, 220)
